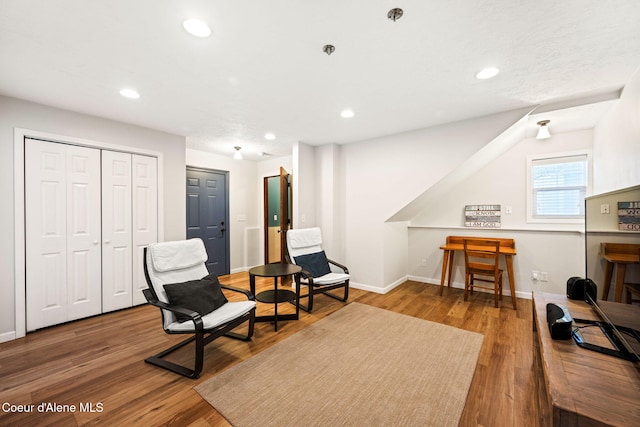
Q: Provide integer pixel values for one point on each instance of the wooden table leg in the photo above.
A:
(512, 282)
(451, 255)
(445, 260)
(608, 274)
(620, 271)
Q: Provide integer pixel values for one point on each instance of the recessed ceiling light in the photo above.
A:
(487, 73)
(269, 136)
(130, 93)
(347, 114)
(197, 28)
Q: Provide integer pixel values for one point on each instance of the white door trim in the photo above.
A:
(19, 224)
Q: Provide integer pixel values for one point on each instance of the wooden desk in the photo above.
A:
(617, 255)
(456, 243)
(582, 387)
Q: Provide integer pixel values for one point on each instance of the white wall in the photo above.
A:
(304, 186)
(16, 113)
(560, 254)
(329, 193)
(617, 142)
(557, 249)
(384, 175)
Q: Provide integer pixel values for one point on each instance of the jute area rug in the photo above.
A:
(360, 366)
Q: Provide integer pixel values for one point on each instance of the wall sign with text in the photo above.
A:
(629, 216)
(482, 216)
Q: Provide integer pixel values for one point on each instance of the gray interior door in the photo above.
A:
(208, 215)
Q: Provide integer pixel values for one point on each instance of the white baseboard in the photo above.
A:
(459, 285)
(376, 289)
(7, 336)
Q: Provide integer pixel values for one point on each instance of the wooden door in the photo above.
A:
(208, 215)
(116, 231)
(277, 216)
(62, 227)
(285, 211)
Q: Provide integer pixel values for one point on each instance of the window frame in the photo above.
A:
(550, 156)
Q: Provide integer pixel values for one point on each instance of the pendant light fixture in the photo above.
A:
(543, 130)
(237, 155)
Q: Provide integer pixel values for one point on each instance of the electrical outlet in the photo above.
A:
(535, 275)
(423, 262)
(544, 276)
(604, 208)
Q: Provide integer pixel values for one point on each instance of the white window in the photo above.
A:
(557, 186)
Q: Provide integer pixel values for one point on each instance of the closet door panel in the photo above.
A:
(116, 231)
(84, 255)
(144, 217)
(45, 229)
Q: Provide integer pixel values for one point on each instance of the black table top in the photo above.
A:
(275, 270)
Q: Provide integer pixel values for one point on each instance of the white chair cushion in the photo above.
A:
(304, 237)
(177, 255)
(227, 312)
(178, 275)
(328, 279)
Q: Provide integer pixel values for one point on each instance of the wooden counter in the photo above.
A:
(583, 387)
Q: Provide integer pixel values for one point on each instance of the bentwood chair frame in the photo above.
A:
(202, 329)
(306, 241)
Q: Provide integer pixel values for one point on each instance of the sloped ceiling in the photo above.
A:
(263, 69)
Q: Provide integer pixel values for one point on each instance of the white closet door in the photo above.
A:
(84, 253)
(62, 215)
(116, 231)
(145, 217)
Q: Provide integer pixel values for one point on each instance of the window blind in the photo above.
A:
(559, 186)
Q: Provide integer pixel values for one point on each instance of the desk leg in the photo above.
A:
(512, 280)
(445, 259)
(620, 271)
(451, 255)
(608, 274)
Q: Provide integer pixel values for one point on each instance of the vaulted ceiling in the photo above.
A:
(263, 68)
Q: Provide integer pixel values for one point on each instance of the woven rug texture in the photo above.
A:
(359, 366)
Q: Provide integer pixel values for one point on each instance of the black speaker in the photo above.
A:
(579, 287)
(559, 321)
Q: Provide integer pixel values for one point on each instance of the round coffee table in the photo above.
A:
(275, 295)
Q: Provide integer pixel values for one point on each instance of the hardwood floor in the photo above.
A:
(97, 364)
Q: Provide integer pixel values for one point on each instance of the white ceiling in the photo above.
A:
(263, 69)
